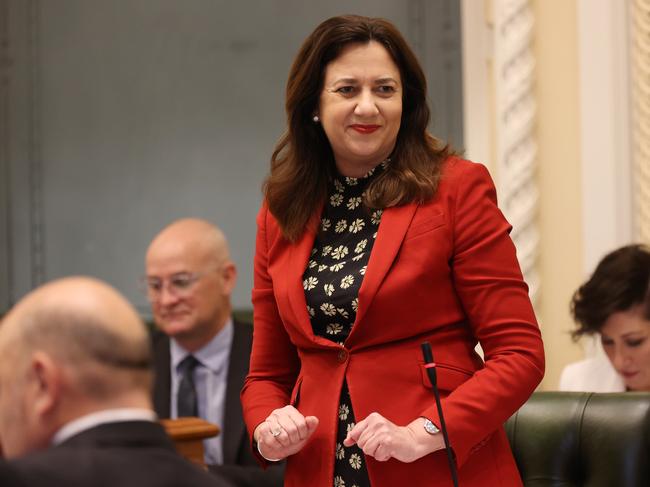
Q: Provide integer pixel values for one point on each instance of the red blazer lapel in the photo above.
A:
(298, 257)
(394, 224)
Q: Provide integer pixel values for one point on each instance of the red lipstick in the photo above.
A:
(365, 129)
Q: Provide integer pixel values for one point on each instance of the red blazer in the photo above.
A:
(444, 271)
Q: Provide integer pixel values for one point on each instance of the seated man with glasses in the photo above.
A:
(202, 354)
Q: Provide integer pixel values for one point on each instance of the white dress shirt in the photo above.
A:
(591, 375)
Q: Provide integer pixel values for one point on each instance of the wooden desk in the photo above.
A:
(188, 435)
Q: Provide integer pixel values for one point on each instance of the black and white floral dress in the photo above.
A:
(332, 280)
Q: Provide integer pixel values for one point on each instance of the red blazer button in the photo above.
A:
(343, 356)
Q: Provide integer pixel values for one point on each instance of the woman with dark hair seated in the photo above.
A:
(614, 303)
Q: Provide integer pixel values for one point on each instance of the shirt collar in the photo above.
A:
(211, 354)
(91, 420)
(346, 181)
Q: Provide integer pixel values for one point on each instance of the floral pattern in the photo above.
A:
(334, 329)
(341, 225)
(355, 461)
(340, 452)
(328, 308)
(347, 281)
(340, 252)
(332, 280)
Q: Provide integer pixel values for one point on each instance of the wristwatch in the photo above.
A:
(429, 427)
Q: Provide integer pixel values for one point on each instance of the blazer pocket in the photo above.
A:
(295, 394)
(425, 225)
(449, 377)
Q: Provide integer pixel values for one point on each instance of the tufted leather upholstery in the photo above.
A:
(566, 439)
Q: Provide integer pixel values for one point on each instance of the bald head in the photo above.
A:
(69, 348)
(78, 321)
(82, 300)
(192, 236)
(190, 279)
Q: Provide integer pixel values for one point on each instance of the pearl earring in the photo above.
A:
(316, 119)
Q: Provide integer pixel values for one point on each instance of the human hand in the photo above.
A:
(382, 439)
(284, 432)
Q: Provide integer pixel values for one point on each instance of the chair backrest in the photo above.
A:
(582, 439)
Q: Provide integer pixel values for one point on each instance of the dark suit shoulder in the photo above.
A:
(158, 338)
(162, 374)
(123, 454)
(9, 476)
(243, 332)
(77, 467)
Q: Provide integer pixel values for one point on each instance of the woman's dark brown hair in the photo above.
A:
(303, 162)
(621, 281)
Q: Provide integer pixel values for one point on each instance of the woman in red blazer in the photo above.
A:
(372, 239)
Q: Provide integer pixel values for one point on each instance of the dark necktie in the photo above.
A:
(187, 400)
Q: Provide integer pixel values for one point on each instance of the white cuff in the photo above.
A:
(265, 458)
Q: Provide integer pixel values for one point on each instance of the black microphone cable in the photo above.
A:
(431, 372)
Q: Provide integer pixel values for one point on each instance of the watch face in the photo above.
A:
(430, 428)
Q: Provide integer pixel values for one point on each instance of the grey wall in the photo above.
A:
(117, 117)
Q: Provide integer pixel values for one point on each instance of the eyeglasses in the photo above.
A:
(180, 285)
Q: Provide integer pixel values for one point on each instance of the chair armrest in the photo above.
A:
(188, 435)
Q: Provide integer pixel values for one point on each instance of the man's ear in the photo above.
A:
(46, 380)
(229, 278)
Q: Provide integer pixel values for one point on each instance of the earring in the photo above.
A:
(316, 119)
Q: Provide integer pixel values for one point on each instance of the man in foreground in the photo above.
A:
(75, 407)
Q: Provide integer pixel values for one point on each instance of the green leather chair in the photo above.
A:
(566, 439)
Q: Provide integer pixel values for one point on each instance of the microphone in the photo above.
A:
(431, 372)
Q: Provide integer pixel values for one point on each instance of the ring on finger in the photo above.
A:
(377, 449)
(276, 432)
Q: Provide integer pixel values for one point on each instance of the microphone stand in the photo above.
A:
(431, 372)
